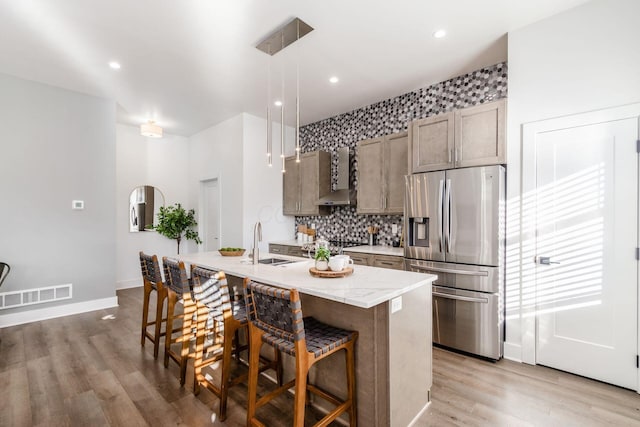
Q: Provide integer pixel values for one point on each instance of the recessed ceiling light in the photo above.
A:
(334, 79)
(278, 103)
(439, 34)
(115, 65)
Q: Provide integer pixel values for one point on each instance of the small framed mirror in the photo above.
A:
(144, 204)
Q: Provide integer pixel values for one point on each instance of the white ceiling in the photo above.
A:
(190, 64)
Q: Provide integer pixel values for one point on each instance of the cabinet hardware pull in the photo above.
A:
(450, 270)
(460, 298)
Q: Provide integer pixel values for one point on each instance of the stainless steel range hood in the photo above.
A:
(343, 195)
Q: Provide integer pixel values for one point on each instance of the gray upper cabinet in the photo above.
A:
(305, 182)
(396, 167)
(472, 136)
(432, 143)
(480, 135)
(382, 165)
(370, 176)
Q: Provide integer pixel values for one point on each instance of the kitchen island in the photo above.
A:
(390, 309)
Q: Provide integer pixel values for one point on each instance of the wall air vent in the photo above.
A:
(35, 296)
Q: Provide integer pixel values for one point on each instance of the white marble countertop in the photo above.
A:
(377, 250)
(366, 287)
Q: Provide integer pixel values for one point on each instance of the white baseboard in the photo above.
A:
(513, 352)
(131, 283)
(39, 314)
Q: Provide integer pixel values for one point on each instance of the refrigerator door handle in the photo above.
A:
(448, 214)
(440, 207)
(460, 298)
(450, 270)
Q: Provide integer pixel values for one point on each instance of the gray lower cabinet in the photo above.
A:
(373, 260)
(278, 249)
(359, 258)
(382, 165)
(473, 136)
(305, 182)
(290, 250)
(387, 261)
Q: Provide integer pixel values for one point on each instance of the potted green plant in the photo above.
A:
(322, 258)
(175, 222)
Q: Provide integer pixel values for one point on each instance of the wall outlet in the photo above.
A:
(77, 204)
(396, 304)
(394, 228)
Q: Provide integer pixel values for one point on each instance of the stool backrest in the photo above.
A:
(175, 275)
(150, 268)
(275, 310)
(210, 288)
(4, 271)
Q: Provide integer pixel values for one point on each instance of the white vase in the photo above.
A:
(322, 265)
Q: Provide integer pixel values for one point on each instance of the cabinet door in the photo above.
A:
(277, 249)
(308, 177)
(392, 262)
(290, 187)
(432, 143)
(480, 135)
(370, 172)
(358, 258)
(396, 167)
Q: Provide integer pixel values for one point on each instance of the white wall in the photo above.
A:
(234, 153)
(162, 163)
(582, 60)
(217, 152)
(263, 184)
(56, 146)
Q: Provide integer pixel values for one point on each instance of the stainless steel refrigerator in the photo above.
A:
(455, 228)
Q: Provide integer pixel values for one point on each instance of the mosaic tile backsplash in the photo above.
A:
(384, 118)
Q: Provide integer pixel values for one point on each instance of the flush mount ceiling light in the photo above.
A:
(334, 79)
(115, 65)
(272, 44)
(439, 34)
(151, 130)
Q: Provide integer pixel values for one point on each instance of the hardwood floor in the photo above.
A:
(90, 370)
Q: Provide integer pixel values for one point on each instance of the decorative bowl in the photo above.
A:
(232, 253)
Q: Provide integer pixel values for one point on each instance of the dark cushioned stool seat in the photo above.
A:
(320, 338)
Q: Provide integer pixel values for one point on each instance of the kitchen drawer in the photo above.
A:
(297, 251)
(392, 262)
(278, 249)
(291, 250)
(359, 258)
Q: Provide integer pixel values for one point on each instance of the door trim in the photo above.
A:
(527, 216)
(201, 203)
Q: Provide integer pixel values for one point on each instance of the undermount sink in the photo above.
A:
(275, 261)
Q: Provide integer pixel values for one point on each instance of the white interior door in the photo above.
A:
(211, 215)
(586, 204)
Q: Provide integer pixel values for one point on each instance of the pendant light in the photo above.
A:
(282, 37)
(269, 131)
(282, 117)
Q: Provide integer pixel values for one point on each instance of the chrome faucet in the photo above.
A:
(257, 237)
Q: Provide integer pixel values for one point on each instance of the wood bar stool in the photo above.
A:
(178, 290)
(152, 281)
(219, 319)
(275, 318)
